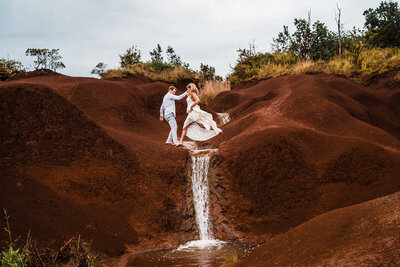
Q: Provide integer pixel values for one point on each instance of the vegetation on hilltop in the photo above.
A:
(313, 48)
(46, 62)
(171, 70)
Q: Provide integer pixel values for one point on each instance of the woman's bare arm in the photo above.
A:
(197, 100)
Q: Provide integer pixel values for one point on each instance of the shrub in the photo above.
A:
(145, 69)
(99, 69)
(13, 257)
(211, 89)
(369, 61)
(9, 68)
(74, 252)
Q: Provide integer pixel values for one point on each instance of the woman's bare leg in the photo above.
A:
(183, 135)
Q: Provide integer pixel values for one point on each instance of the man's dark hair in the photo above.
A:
(171, 88)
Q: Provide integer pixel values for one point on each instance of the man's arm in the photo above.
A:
(178, 97)
(162, 111)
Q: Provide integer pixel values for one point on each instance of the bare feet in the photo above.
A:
(179, 144)
(169, 143)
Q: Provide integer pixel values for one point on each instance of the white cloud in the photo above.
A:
(87, 32)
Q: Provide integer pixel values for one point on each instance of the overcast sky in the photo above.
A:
(201, 31)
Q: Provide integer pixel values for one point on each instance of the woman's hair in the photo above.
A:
(192, 88)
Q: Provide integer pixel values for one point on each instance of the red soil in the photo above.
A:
(366, 234)
(87, 156)
(82, 155)
(299, 146)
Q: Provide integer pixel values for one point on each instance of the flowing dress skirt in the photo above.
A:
(198, 117)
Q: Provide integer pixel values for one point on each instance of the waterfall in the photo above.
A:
(200, 165)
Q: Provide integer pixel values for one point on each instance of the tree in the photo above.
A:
(45, 58)
(301, 38)
(246, 53)
(383, 25)
(355, 43)
(207, 72)
(283, 42)
(173, 59)
(323, 42)
(156, 54)
(314, 42)
(54, 58)
(99, 69)
(130, 58)
(338, 16)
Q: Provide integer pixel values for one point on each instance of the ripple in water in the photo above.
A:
(206, 256)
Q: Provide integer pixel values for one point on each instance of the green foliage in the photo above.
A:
(157, 60)
(383, 25)
(250, 67)
(354, 43)
(13, 257)
(99, 69)
(301, 38)
(45, 58)
(171, 70)
(75, 252)
(158, 64)
(358, 64)
(174, 60)
(323, 42)
(131, 57)
(145, 69)
(207, 73)
(156, 54)
(314, 49)
(314, 42)
(8, 68)
(246, 53)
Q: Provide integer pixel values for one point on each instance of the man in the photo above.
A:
(167, 110)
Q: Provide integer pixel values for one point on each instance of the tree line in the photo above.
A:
(159, 62)
(314, 41)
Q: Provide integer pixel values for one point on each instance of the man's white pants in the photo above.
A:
(173, 136)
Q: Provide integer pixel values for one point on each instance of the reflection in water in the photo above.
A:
(210, 256)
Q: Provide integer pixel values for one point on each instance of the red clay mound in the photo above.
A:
(366, 234)
(89, 156)
(82, 155)
(299, 146)
(45, 140)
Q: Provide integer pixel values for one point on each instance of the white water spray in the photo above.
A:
(200, 167)
(223, 118)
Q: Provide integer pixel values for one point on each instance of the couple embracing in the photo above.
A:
(199, 125)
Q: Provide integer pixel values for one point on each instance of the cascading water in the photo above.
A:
(200, 165)
(223, 118)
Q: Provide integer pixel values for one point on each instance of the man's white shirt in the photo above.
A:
(168, 104)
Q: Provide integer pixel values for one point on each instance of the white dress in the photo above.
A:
(196, 117)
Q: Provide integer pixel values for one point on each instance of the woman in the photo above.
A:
(197, 117)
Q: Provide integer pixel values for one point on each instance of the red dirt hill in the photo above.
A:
(82, 155)
(366, 234)
(87, 156)
(300, 146)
